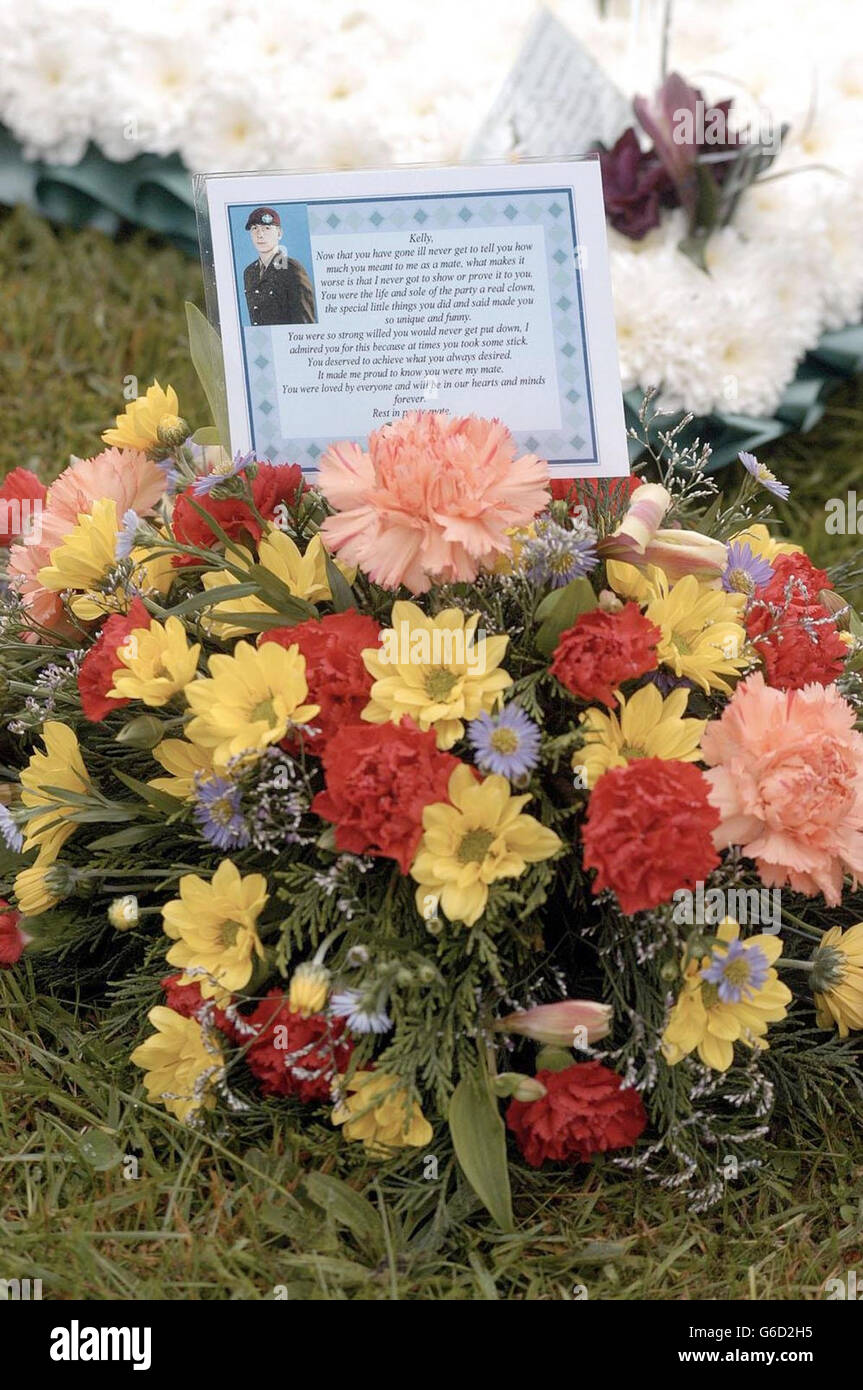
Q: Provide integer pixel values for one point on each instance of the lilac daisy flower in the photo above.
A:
(763, 475)
(126, 535)
(218, 811)
(505, 743)
(202, 486)
(9, 832)
(556, 555)
(745, 571)
(738, 972)
(350, 1005)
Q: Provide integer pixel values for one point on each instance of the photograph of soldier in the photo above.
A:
(277, 288)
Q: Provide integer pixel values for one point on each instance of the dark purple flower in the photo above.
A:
(634, 185)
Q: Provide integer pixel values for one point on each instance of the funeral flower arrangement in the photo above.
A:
(434, 802)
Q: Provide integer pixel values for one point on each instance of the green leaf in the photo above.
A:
(207, 436)
(279, 596)
(347, 1208)
(560, 610)
(98, 1150)
(133, 835)
(210, 597)
(479, 1139)
(343, 594)
(161, 801)
(205, 350)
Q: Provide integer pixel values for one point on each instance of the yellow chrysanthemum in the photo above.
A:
(157, 662)
(44, 780)
(375, 1113)
(508, 561)
(310, 986)
(35, 888)
(85, 557)
(249, 700)
(761, 543)
(138, 426)
(304, 573)
(86, 553)
(702, 637)
(837, 979)
(182, 760)
(213, 925)
(483, 836)
(437, 670)
(736, 1004)
(181, 1063)
(629, 582)
(646, 726)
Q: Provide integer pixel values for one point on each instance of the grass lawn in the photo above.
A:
(102, 1196)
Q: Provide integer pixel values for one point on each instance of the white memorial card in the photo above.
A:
(347, 299)
(556, 102)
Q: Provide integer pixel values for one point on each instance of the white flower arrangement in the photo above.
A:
(231, 85)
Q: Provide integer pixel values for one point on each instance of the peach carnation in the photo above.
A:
(129, 477)
(786, 775)
(432, 500)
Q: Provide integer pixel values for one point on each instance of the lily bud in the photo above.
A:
(144, 732)
(639, 540)
(518, 1086)
(571, 1023)
(836, 605)
(609, 602)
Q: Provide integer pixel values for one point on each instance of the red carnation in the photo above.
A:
(292, 1055)
(586, 491)
(601, 650)
(792, 631)
(649, 831)
(337, 678)
(586, 1110)
(96, 675)
(380, 778)
(272, 486)
(20, 492)
(12, 938)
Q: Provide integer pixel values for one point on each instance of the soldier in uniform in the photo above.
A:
(278, 289)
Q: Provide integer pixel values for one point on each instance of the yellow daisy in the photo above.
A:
(761, 542)
(375, 1112)
(837, 979)
(437, 670)
(149, 422)
(44, 780)
(182, 1061)
(88, 553)
(36, 888)
(157, 662)
(250, 700)
(702, 637)
(729, 996)
(182, 760)
(213, 924)
(303, 573)
(647, 726)
(481, 837)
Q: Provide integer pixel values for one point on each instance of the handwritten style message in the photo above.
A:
(455, 320)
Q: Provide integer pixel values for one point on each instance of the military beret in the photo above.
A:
(263, 217)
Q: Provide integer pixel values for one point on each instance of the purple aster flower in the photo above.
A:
(126, 535)
(745, 571)
(9, 832)
(738, 972)
(350, 1005)
(218, 811)
(556, 555)
(202, 486)
(762, 474)
(505, 743)
(174, 478)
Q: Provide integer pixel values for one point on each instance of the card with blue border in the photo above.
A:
(346, 299)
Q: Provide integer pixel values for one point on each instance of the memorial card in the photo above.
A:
(347, 299)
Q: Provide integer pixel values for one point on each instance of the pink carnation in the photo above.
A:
(432, 499)
(786, 775)
(126, 475)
